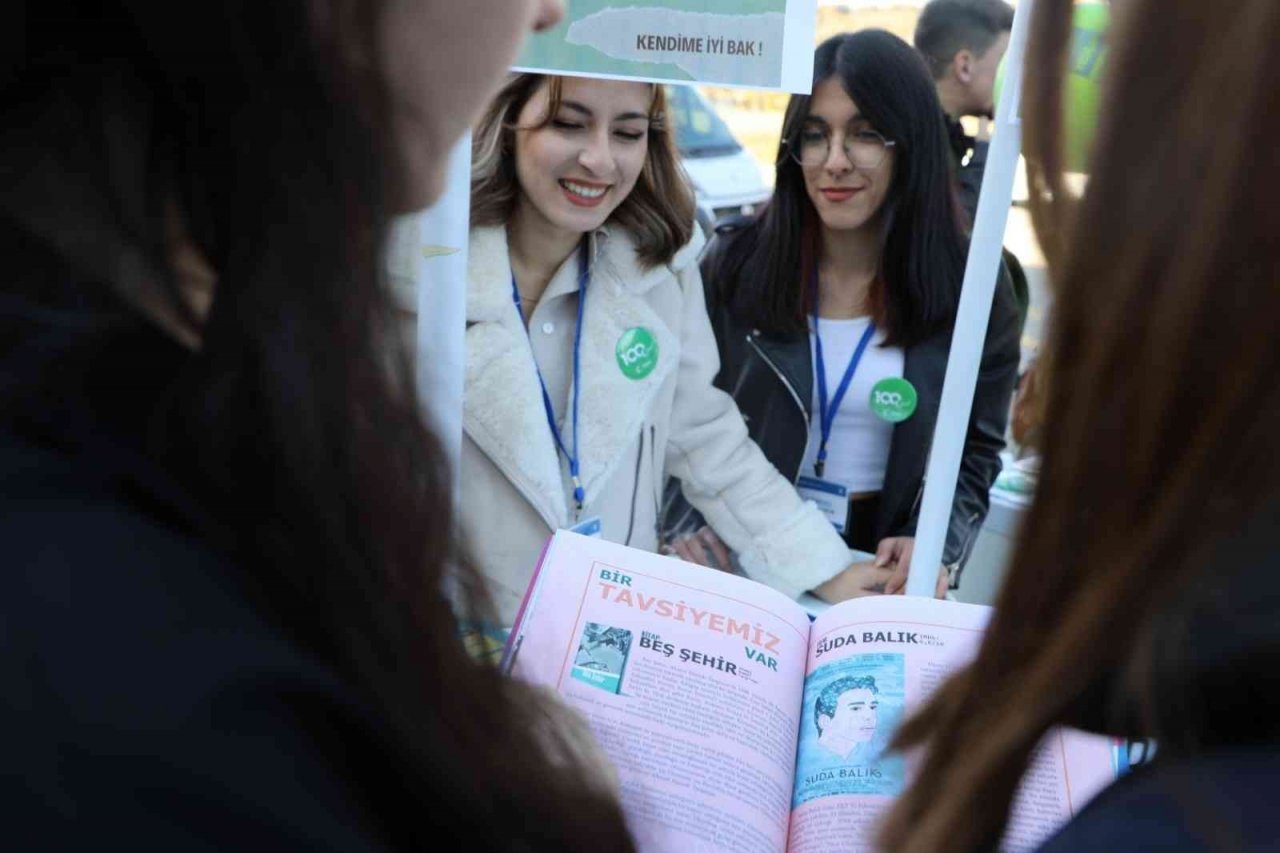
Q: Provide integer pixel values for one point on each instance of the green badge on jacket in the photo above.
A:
(637, 353)
(894, 400)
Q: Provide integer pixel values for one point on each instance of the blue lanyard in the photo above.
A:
(827, 413)
(584, 279)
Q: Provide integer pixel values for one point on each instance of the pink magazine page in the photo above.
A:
(1067, 771)
(874, 660)
(690, 679)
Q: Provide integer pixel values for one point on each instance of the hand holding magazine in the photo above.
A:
(736, 722)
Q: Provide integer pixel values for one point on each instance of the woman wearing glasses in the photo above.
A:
(833, 309)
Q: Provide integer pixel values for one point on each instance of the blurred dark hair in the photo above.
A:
(946, 27)
(297, 419)
(1142, 595)
(923, 245)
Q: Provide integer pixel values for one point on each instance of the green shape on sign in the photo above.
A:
(894, 400)
(637, 353)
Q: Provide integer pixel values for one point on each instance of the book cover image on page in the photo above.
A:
(601, 656)
(849, 711)
(738, 723)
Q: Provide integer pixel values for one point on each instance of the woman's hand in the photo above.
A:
(857, 581)
(703, 547)
(895, 553)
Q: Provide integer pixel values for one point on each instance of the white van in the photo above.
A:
(725, 177)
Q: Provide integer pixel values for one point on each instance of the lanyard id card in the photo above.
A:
(831, 498)
(588, 527)
(584, 279)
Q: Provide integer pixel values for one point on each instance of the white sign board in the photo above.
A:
(758, 44)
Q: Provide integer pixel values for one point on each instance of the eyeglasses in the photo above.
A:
(866, 149)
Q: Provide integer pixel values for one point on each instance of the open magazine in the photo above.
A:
(738, 723)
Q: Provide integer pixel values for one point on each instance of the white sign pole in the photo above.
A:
(442, 305)
(801, 31)
(971, 318)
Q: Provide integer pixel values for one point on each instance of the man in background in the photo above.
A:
(962, 42)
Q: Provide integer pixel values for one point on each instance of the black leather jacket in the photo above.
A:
(772, 382)
(968, 175)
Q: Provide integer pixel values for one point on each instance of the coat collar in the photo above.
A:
(503, 412)
(613, 257)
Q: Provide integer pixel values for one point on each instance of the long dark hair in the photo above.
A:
(923, 245)
(1143, 586)
(296, 421)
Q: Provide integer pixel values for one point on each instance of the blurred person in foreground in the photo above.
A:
(1143, 599)
(226, 531)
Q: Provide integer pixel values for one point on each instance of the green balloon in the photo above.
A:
(1082, 93)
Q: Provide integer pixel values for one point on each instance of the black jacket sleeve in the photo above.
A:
(980, 464)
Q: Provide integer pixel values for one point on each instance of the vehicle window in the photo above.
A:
(699, 131)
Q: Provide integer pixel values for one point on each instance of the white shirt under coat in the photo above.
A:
(858, 448)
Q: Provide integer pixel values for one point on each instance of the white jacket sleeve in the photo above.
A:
(780, 540)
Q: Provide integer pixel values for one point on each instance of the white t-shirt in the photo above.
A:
(858, 449)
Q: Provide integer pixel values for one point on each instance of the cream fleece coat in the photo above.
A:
(634, 430)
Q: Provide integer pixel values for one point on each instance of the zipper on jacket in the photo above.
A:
(795, 397)
(915, 504)
(924, 481)
(966, 549)
(635, 488)
(653, 469)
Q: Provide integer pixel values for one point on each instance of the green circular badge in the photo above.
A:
(637, 353)
(894, 400)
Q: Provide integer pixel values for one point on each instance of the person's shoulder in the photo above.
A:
(61, 510)
(92, 576)
(687, 256)
(1192, 805)
(735, 227)
(135, 667)
(721, 261)
(733, 234)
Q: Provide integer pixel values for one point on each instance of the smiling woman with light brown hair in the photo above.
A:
(589, 354)
(658, 211)
(1143, 599)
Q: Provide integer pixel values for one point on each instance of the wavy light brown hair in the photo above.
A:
(658, 214)
(1160, 474)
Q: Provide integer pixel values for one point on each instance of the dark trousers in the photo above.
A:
(860, 526)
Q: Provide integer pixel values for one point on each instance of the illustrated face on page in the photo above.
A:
(849, 721)
(855, 718)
